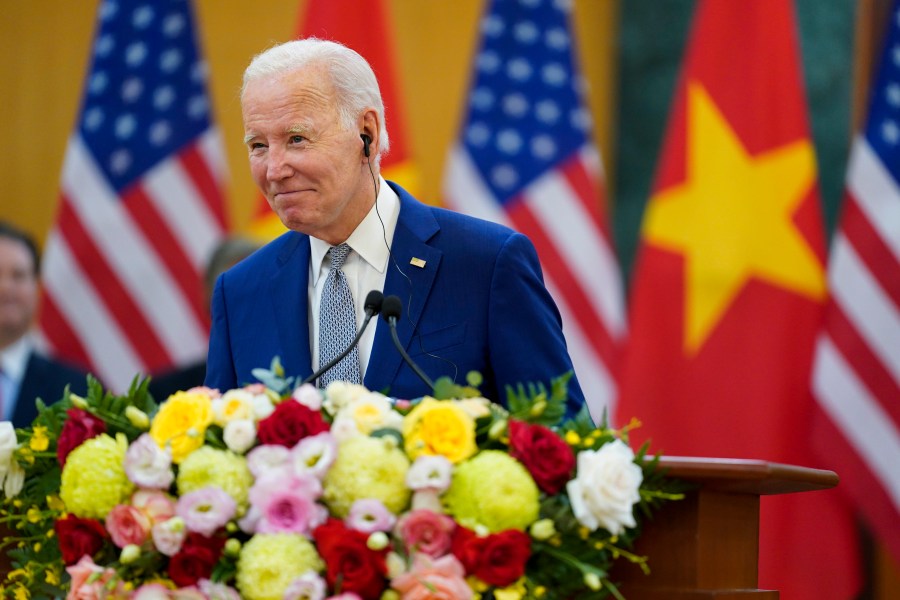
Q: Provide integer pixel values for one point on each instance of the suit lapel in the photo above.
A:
(415, 226)
(290, 306)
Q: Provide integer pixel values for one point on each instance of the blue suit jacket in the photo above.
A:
(44, 378)
(479, 303)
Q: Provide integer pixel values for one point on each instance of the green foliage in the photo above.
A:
(533, 404)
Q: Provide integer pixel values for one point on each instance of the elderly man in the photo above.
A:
(25, 374)
(472, 291)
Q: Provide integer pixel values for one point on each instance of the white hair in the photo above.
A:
(352, 77)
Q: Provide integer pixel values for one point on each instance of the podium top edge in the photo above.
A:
(747, 476)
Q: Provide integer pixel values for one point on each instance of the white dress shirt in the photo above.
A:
(13, 362)
(365, 268)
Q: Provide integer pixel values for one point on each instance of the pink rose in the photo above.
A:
(158, 506)
(89, 582)
(151, 591)
(442, 578)
(426, 532)
(127, 525)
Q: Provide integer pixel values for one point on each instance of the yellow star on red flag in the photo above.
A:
(731, 218)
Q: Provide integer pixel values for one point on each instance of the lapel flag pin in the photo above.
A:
(417, 262)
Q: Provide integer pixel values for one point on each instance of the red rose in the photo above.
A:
(196, 559)
(547, 457)
(290, 423)
(78, 428)
(350, 561)
(79, 537)
(497, 559)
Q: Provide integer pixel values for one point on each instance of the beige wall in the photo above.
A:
(44, 47)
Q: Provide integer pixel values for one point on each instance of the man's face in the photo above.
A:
(310, 168)
(18, 290)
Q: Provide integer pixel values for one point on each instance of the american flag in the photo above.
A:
(141, 203)
(525, 159)
(857, 370)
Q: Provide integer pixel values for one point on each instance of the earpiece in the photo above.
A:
(367, 141)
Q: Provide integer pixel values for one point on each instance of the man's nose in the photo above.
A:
(278, 167)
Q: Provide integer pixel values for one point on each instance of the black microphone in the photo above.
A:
(390, 311)
(373, 303)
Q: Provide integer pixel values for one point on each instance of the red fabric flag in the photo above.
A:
(856, 377)
(525, 158)
(362, 25)
(729, 285)
(141, 202)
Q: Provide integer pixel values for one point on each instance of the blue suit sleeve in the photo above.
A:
(220, 371)
(525, 328)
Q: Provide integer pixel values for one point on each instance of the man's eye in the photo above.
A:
(256, 146)
(296, 139)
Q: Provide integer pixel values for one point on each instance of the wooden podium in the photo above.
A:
(707, 545)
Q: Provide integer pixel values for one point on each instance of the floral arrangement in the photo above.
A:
(268, 491)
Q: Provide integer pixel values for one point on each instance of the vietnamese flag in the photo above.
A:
(362, 25)
(729, 286)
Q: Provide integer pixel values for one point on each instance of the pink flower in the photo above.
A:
(430, 473)
(151, 591)
(369, 515)
(315, 454)
(433, 578)
(158, 506)
(285, 504)
(89, 582)
(217, 591)
(426, 532)
(345, 596)
(206, 510)
(127, 525)
(147, 465)
(169, 536)
(309, 586)
(202, 389)
(264, 459)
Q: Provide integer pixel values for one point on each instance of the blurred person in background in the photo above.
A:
(25, 373)
(229, 252)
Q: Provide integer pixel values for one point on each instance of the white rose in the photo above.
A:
(606, 487)
(309, 396)
(370, 412)
(339, 394)
(263, 407)
(239, 435)
(235, 404)
(8, 445)
(15, 479)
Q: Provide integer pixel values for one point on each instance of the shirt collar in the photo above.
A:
(369, 239)
(14, 358)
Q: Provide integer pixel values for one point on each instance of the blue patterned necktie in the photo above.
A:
(337, 323)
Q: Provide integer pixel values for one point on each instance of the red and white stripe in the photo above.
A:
(856, 376)
(122, 274)
(560, 213)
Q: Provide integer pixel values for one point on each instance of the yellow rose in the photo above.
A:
(181, 423)
(439, 428)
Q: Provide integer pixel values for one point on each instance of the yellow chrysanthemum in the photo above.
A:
(269, 563)
(442, 428)
(223, 468)
(93, 481)
(181, 423)
(493, 490)
(367, 467)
